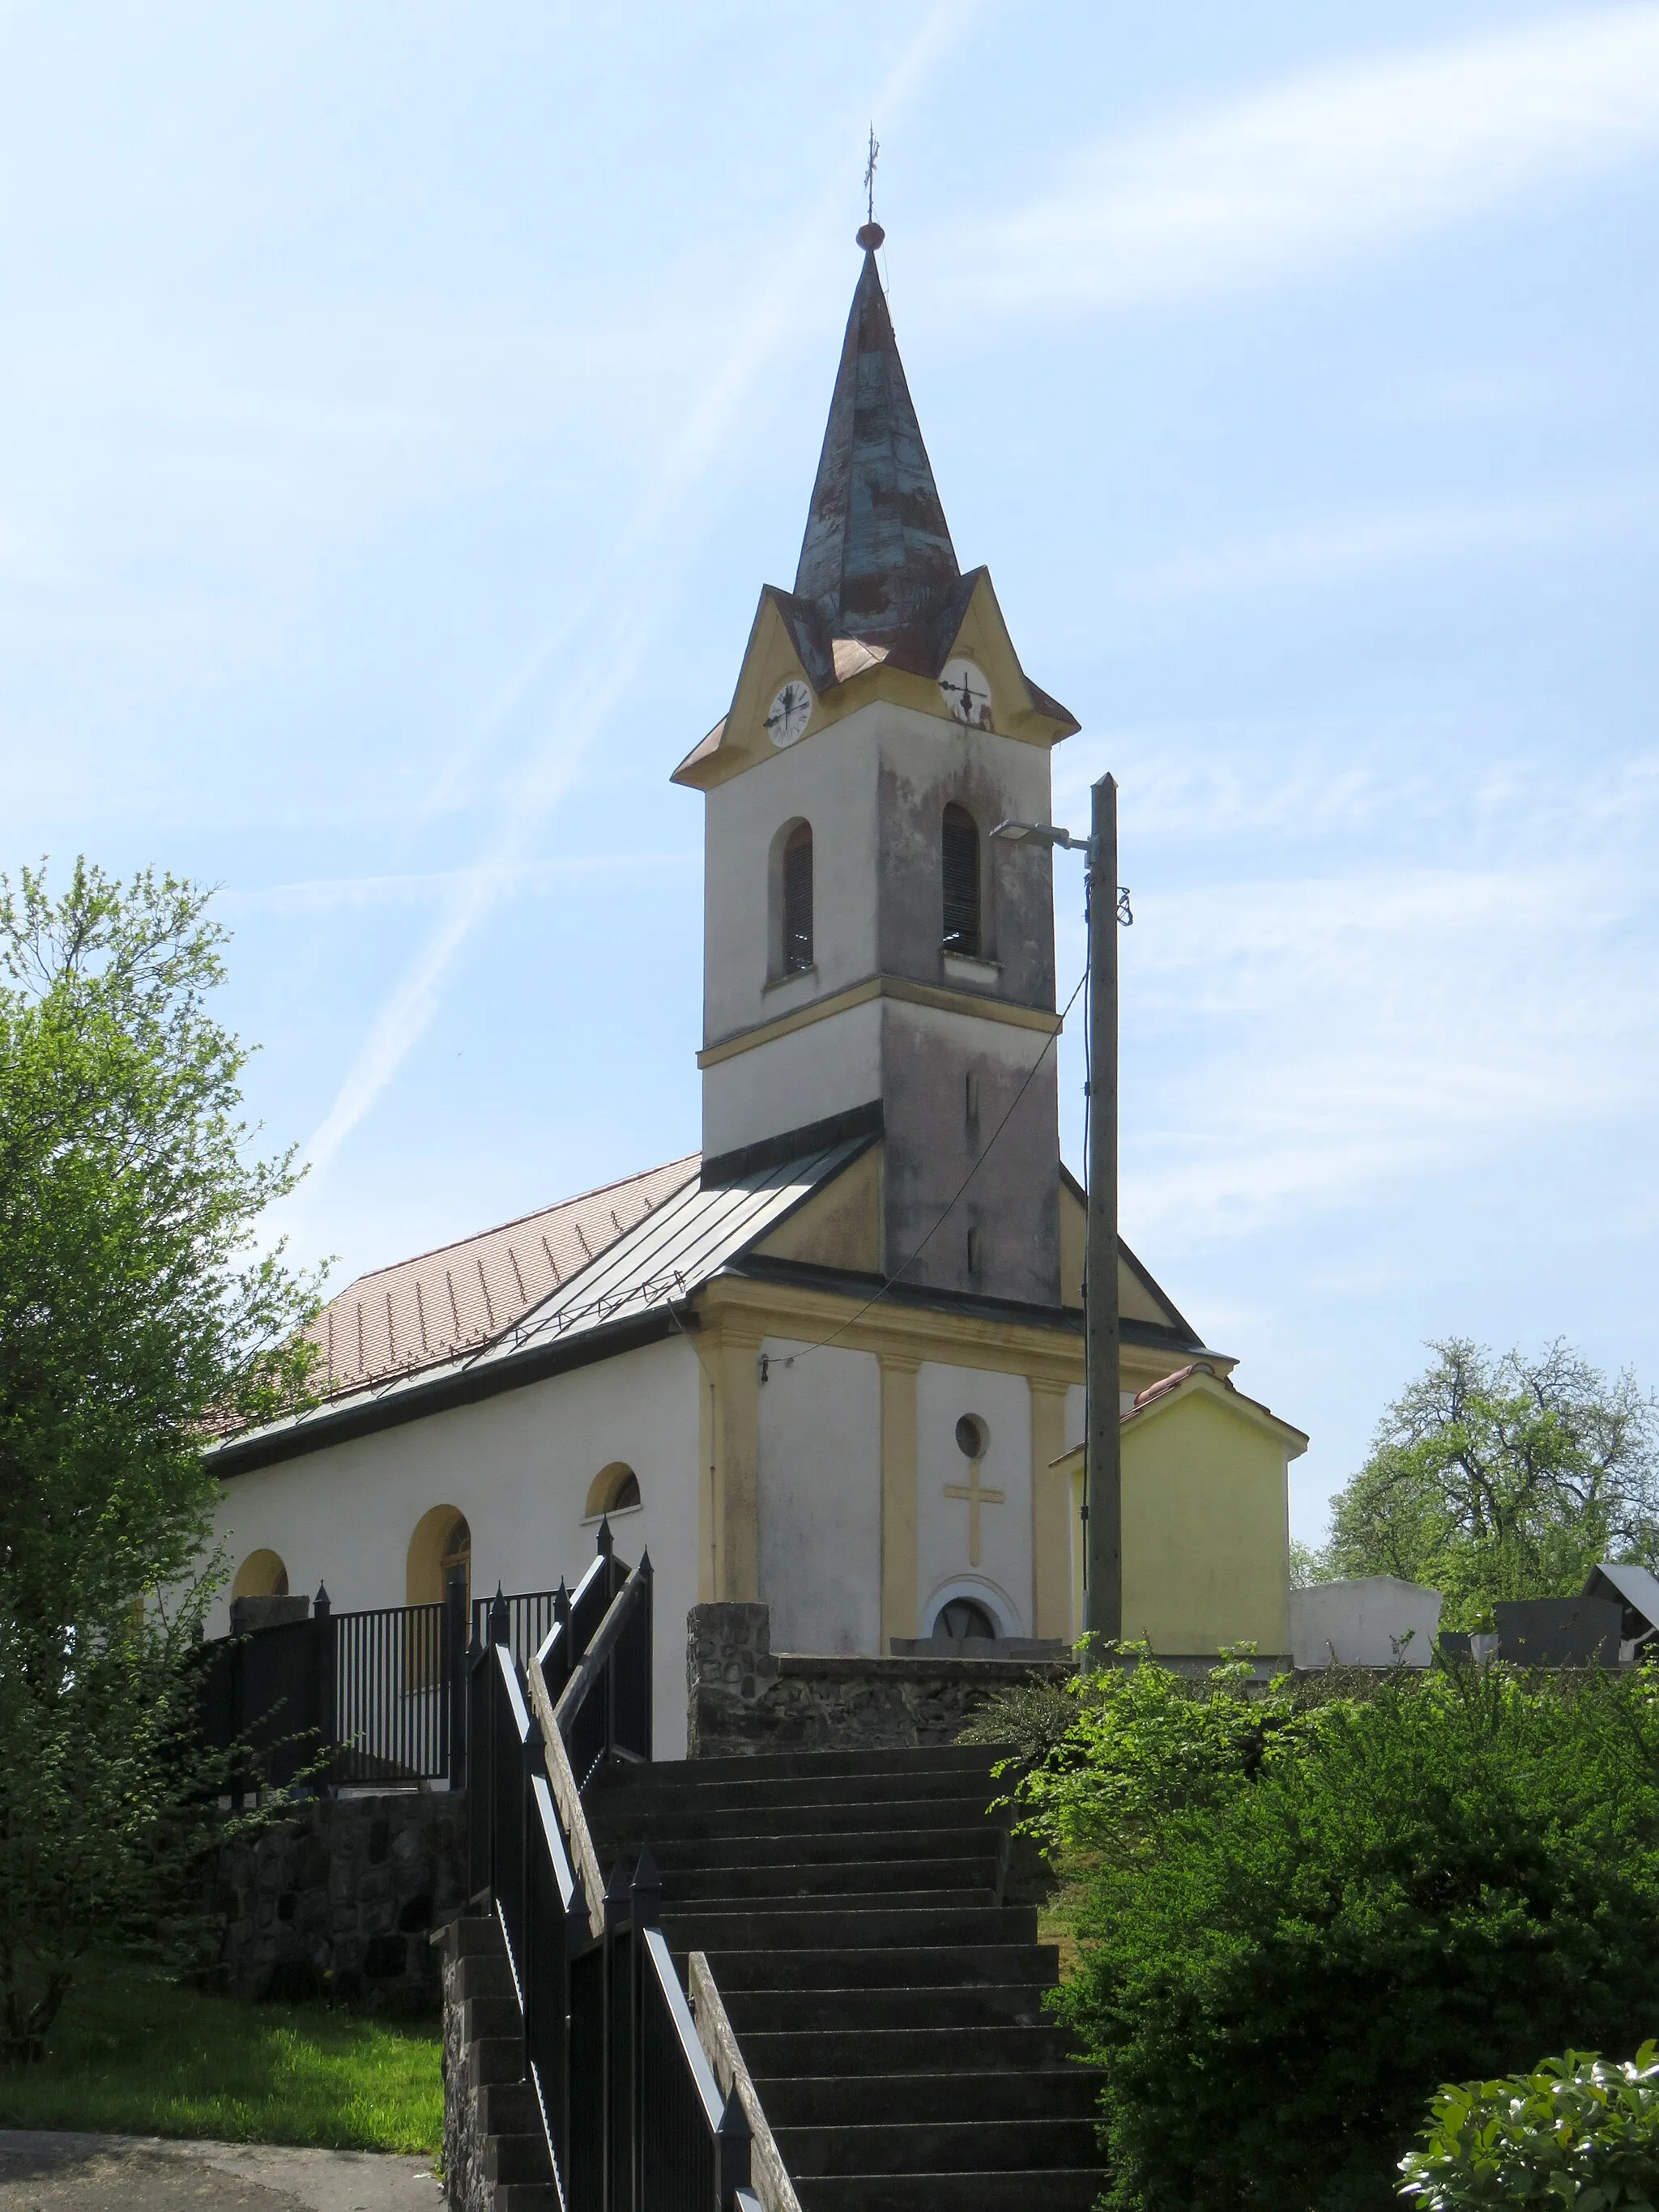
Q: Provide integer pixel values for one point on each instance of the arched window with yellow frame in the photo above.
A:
(614, 1489)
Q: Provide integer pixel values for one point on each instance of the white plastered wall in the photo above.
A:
(1003, 1404)
(830, 779)
(820, 1498)
(828, 1068)
(519, 1467)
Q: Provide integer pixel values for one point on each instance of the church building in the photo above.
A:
(832, 1360)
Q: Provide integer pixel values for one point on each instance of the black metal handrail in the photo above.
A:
(630, 2108)
(603, 1710)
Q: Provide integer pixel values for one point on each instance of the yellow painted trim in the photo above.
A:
(707, 1482)
(880, 987)
(770, 658)
(1051, 1607)
(1250, 1411)
(898, 1498)
(755, 1309)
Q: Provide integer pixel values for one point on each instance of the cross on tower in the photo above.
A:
(975, 1495)
(870, 173)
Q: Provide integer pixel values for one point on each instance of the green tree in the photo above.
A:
(1504, 1478)
(134, 1313)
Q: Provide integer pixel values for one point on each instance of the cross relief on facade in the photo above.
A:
(976, 1494)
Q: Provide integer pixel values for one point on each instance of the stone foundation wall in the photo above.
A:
(465, 2187)
(337, 1898)
(743, 1697)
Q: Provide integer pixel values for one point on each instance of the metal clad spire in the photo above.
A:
(877, 558)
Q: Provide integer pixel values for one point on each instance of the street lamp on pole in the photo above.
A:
(1106, 905)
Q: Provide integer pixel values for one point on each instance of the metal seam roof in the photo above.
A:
(661, 1260)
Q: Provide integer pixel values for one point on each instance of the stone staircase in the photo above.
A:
(886, 2000)
(501, 2159)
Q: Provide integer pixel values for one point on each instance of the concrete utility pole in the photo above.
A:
(1107, 905)
(1102, 1494)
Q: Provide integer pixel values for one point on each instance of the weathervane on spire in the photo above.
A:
(871, 234)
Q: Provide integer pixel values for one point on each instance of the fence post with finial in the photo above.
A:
(733, 2140)
(324, 1637)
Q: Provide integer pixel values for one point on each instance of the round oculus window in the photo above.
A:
(971, 1438)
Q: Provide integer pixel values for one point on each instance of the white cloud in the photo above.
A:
(1308, 172)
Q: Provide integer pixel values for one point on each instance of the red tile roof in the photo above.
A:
(425, 1310)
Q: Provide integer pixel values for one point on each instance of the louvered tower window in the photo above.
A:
(798, 900)
(961, 881)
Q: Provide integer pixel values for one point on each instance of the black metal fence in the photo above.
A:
(633, 2118)
(371, 1698)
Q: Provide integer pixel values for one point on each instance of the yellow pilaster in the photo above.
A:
(899, 1497)
(707, 1479)
(1051, 1565)
(737, 1485)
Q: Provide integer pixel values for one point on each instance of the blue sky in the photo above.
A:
(400, 409)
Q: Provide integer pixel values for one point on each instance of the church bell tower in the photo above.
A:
(872, 960)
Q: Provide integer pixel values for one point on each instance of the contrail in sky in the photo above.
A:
(608, 618)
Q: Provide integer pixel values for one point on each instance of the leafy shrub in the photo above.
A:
(1298, 1918)
(1572, 2132)
(1030, 1718)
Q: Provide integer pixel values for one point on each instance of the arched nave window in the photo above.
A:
(614, 1489)
(262, 1573)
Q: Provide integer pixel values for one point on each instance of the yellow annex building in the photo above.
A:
(833, 1360)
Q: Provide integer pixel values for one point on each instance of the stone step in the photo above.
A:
(1049, 2092)
(508, 2108)
(964, 1881)
(756, 1853)
(899, 1785)
(493, 2058)
(820, 1907)
(889, 1967)
(527, 2197)
(784, 2055)
(491, 2016)
(484, 1974)
(472, 1934)
(1076, 2188)
(791, 1765)
(866, 2010)
(862, 1928)
(520, 2157)
(939, 2147)
(694, 1822)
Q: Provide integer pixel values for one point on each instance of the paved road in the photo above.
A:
(43, 2173)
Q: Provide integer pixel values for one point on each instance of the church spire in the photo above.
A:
(877, 558)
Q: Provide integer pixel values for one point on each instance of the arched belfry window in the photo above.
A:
(961, 874)
(798, 899)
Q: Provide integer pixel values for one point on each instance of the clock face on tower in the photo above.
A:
(966, 693)
(789, 713)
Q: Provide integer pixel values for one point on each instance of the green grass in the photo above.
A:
(133, 2053)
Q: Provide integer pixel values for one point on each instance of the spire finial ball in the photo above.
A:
(870, 236)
